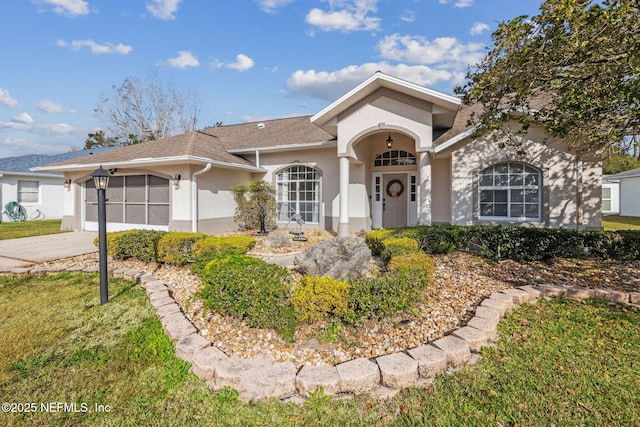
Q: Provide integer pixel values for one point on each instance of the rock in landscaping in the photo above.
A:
(190, 344)
(398, 370)
(474, 337)
(275, 240)
(338, 258)
(456, 349)
(431, 360)
(204, 362)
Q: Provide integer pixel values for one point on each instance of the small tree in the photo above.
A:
(247, 214)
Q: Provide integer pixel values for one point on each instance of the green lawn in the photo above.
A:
(14, 230)
(617, 222)
(559, 363)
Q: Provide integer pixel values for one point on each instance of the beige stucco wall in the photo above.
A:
(559, 168)
(441, 190)
(387, 111)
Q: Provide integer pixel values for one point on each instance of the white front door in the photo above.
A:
(394, 203)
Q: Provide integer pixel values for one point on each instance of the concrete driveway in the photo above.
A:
(34, 250)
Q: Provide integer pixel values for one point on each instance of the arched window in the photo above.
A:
(510, 191)
(298, 192)
(395, 158)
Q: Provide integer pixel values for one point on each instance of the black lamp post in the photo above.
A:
(262, 202)
(101, 179)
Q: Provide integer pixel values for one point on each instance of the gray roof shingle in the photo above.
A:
(23, 164)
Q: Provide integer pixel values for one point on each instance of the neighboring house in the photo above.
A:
(39, 193)
(610, 195)
(389, 153)
(629, 188)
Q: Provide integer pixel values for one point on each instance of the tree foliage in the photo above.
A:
(138, 111)
(248, 199)
(619, 163)
(574, 69)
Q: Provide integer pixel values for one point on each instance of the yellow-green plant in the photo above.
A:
(414, 261)
(318, 297)
(175, 247)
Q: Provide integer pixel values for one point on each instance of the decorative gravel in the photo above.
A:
(461, 282)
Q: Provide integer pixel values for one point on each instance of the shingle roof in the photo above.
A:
(213, 143)
(194, 144)
(269, 133)
(23, 164)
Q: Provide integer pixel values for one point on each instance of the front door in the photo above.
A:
(394, 203)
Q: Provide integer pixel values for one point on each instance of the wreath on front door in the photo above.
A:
(395, 188)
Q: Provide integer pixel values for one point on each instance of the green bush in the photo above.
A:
(247, 287)
(248, 199)
(394, 246)
(389, 293)
(175, 247)
(318, 297)
(204, 250)
(138, 244)
(417, 261)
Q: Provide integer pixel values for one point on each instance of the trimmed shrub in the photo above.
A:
(318, 297)
(374, 240)
(138, 244)
(175, 247)
(247, 287)
(204, 250)
(417, 261)
(394, 246)
(392, 292)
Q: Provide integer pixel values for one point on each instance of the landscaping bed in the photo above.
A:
(461, 281)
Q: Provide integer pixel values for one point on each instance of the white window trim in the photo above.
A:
(317, 192)
(36, 192)
(508, 189)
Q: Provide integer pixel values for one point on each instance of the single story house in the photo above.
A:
(389, 153)
(628, 186)
(39, 194)
(611, 195)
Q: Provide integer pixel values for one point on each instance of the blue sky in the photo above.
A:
(247, 59)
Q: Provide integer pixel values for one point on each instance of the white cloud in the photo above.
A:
(6, 99)
(270, 6)
(164, 9)
(23, 118)
(183, 60)
(346, 16)
(41, 129)
(408, 16)
(331, 85)
(243, 63)
(76, 45)
(459, 3)
(478, 28)
(447, 52)
(71, 8)
(52, 107)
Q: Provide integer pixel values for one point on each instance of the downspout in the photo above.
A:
(194, 197)
(257, 158)
(579, 168)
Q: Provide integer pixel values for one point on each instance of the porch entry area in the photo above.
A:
(394, 199)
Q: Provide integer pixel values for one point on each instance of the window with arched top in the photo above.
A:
(298, 192)
(510, 191)
(395, 158)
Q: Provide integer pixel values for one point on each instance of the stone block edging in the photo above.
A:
(263, 378)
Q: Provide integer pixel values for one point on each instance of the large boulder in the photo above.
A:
(338, 258)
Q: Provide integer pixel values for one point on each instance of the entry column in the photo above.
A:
(343, 223)
(424, 213)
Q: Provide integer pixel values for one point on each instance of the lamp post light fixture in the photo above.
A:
(101, 180)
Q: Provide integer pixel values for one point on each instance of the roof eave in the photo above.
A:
(156, 161)
(287, 147)
(453, 141)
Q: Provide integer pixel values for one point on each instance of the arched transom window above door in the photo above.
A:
(510, 191)
(395, 158)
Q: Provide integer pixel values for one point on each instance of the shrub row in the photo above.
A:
(517, 243)
(178, 248)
